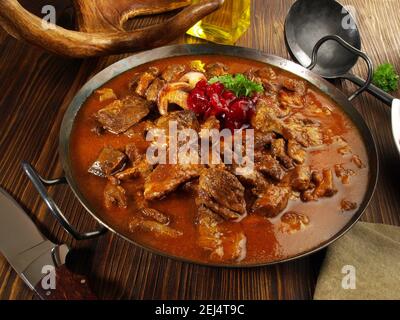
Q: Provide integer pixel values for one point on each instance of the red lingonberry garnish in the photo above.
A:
(207, 100)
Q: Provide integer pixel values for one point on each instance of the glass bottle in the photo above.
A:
(226, 25)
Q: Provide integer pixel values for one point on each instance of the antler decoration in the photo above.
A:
(100, 25)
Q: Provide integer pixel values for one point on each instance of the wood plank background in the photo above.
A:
(36, 88)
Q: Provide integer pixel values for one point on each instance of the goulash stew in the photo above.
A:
(308, 173)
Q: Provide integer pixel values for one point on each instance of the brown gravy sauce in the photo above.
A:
(266, 241)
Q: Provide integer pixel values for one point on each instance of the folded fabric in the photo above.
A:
(362, 265)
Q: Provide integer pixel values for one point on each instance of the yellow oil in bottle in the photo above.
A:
(226, 25)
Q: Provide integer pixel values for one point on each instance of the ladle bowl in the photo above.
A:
(307, 22)
(323, 36)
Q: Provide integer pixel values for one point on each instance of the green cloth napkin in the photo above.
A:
(363, 264)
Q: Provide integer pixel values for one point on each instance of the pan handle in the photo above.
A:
(372, 89)
(40, 184)
(354, 50)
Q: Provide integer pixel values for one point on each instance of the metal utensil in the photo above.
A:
(34, 257)
(322, 35)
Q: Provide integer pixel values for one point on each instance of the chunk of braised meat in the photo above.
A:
(268, 115)
(120, 115)
(268, 165)
(113, 180)
(173, 72)
(292, 221)
(208, 128)
(267, 119)
(263, 140)
(340, 143)
(266, 73)
(297, 86)
(190, 186)
(278, 147)
(278, 150)
(347, 205)
(222, 246)
(137, 145)
(106, 94)
(155, 215)
(301, 178)
(138, 198)
(345, 150)
(267, 77)
(305, 131)
(209, 231)
(185, 119)
(115, 195)
(272, 201)
(139, 131)
(357, 161)
(216, 69)
(166, 178)
(254, 180)
(296, 152)
(317, 177)
(252, 75)
(155, 228)
(145, 81)
(343, 174)
(133, 152)
(314, 107)
(154, 89)
(140, 168)
(289, 99)
(109, 161)
(221, 192)
(324, 186)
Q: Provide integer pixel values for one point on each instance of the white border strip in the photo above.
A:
(396, 122)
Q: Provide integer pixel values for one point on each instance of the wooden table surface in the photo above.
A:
(35, 90)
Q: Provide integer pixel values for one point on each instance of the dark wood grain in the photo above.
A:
(35, 90)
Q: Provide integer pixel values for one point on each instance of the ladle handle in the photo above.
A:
(372, 89)
(314, 56)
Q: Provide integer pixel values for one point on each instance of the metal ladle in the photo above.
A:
(323, 36)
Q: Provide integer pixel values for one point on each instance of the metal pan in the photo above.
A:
(183, 50)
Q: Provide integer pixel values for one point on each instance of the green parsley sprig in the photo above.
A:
(386, 78)
(239, 84)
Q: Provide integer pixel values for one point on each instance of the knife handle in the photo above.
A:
(69, 286)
